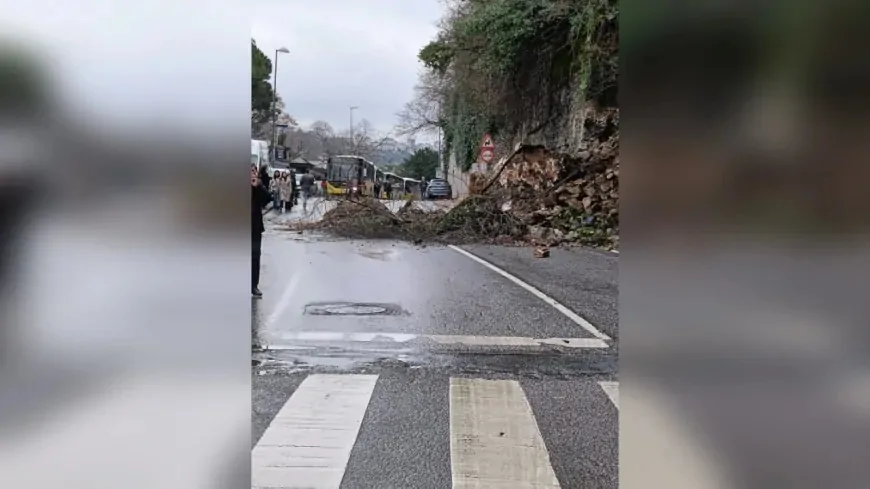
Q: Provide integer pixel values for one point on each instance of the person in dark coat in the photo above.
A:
(259, 198)
(377, 189)
(265, 179)
(294, 187)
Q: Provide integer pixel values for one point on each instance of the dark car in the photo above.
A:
(438, 188)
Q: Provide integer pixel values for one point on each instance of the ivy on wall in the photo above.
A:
(492, 53)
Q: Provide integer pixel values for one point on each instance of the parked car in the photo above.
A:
(438, 188)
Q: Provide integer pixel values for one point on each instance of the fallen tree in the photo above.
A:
(533, 197)
(477, 218)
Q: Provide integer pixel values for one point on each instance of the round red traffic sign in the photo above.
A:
(487, 155)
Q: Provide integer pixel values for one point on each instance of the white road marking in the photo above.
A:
(354, 337)
(612, 391)
(615, 251)
(573, 316)
(575, 342)
(494, 439)
(308, 444)
(512, 341)
(518, 341)
(284, 301)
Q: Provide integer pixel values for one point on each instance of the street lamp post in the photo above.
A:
(352, 108)
(274, 101)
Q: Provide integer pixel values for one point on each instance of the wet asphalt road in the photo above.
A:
(585, 280)
(429, 318)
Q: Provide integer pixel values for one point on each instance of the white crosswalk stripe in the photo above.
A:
(309, 442)
(495, 440)
(612, 391)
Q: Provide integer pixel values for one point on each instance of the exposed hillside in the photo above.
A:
(537, 72)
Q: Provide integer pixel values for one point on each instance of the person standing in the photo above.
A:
(306, 187)
(294, 187)
(388, 189)
(259, 198)
(275, 191)
(265, 179)
(286, 191)
(377, 188)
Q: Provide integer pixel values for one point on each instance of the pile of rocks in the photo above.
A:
(568, 197)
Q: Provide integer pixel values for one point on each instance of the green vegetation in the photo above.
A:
(499, 59)
(595, 47)
(423, 163)
(465, 127)
(261, 89)
(437, 56)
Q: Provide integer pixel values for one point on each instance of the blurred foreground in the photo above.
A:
(124, 261)
(744, 267)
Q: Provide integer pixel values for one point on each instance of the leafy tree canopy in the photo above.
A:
(423, 163)
(261, 89)
(437, 56)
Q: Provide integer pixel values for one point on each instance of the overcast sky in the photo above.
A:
(346, 52)
(184, 65)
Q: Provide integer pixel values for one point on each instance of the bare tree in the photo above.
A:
(261, 125)
(297, 142)
(325, 134)
(423, 112)
(260, 130)
(366, 140)
(321, 139)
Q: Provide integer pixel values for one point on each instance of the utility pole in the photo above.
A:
(440, 152)
(352, 108)
(274, 100)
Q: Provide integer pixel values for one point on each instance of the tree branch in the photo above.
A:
(503, 163)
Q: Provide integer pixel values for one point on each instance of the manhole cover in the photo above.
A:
(351, 309)
(355, 310)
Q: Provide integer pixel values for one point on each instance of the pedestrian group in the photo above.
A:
(283, 190)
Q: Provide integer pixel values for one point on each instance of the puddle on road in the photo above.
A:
(355, 310)
(380, 255)
(307, 237)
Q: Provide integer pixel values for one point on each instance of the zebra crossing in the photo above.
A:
(340, 431)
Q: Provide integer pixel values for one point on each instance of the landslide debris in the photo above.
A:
(532, 196)
(363, 218)
(567, 198)
(474, 219)
(479, 218)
